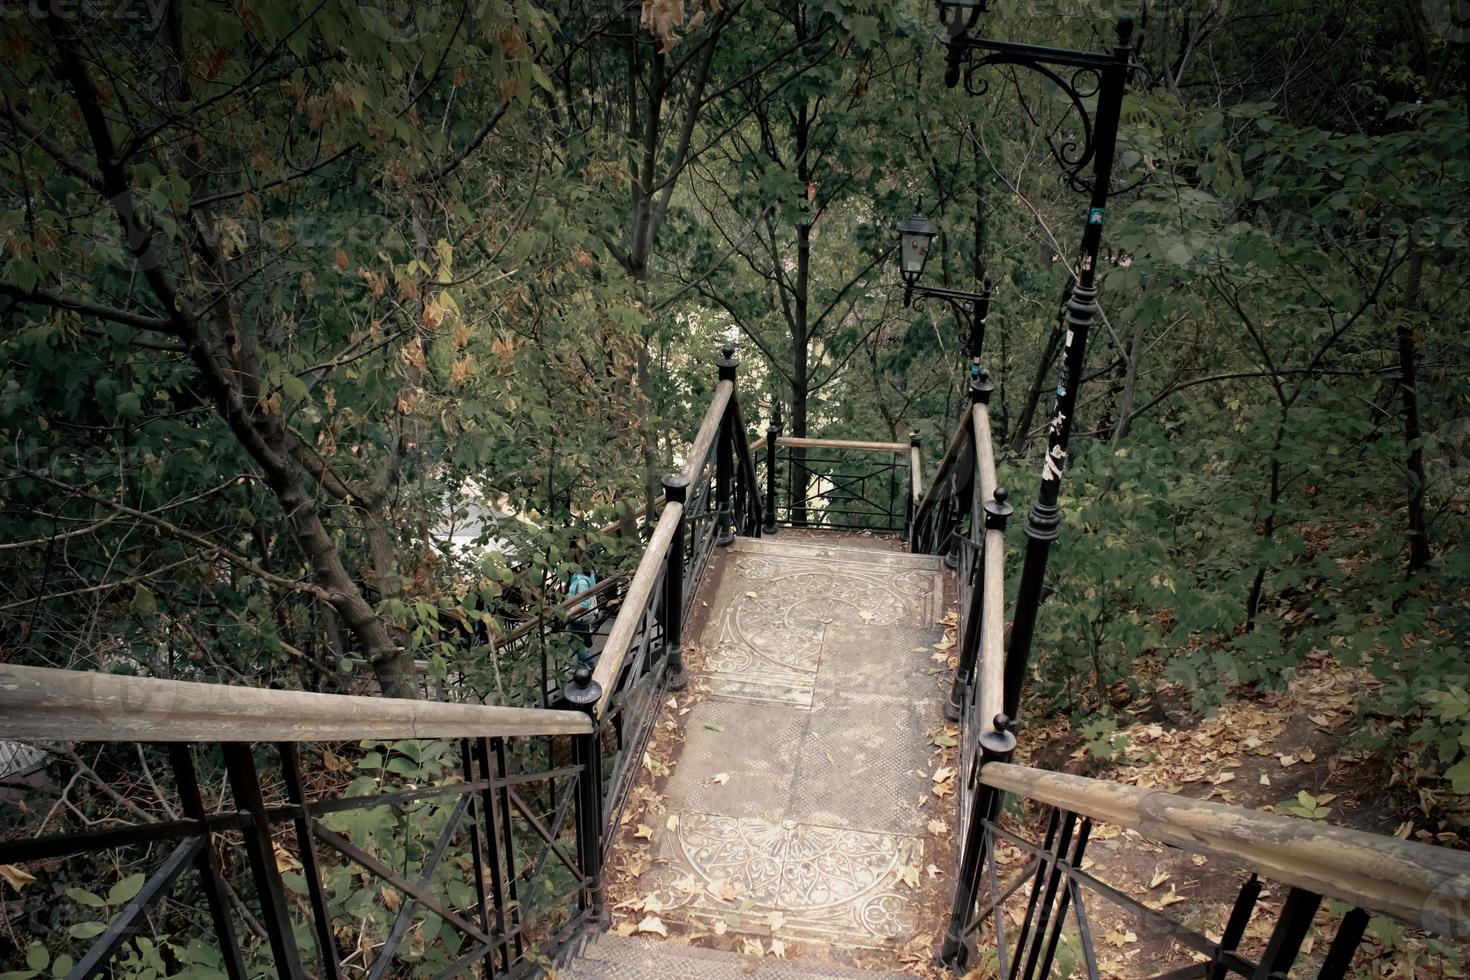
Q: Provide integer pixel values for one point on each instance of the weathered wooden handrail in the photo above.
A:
(1404, 879)
(709, 429)
(990, 674)
(984, 450)
(963, 434)
(794, 442)
(635, 603)
(43, 703)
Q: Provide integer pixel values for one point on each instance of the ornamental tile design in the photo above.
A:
(821, 697)
(775, 610)
(831, 884)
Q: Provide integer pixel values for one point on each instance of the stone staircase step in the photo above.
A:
(611, 957)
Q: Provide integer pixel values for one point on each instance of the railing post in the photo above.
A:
(995, 746)
(1044, 520)
(676, 490)
(970, 629)
(725, 454)
(915, 440)
(773, 435)
(582, 695)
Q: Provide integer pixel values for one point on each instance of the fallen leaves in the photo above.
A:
(654, 925)
(16, 878)
(724, 890)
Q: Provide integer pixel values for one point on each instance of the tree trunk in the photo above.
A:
(1414, 477)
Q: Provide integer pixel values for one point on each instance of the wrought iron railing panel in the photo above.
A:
(628, 723)
(839, 488)
(415, 857)
(1036, 912)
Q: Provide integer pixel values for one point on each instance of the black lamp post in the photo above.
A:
(1081, 77)
(915, 234)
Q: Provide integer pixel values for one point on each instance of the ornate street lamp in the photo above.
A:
(915, 234)
(1092, 84)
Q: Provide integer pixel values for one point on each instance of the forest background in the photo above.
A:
(334, 333)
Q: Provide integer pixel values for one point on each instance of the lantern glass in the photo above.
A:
(915, 234)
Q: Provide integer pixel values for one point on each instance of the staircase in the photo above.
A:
(801, 781)
(610, 957)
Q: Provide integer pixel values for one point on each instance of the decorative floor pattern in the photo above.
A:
(778, 601)
(802, 783)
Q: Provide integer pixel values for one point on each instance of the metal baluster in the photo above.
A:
(676, 490)
(1240, 917)
(207, 862)
(275, 915)
(467, 767)
(1023, 935)
(1053, 872)
(498, 744)
(1075, 861)
(1344, 945)
(494, 838)
(1286, 938)
(321, 916)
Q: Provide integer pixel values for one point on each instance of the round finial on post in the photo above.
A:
(676, 487)
(1002, 722)
(728, 362)
(915, 438)
(997, 511)
(1125, 31)
(583, 693)
(981, 388)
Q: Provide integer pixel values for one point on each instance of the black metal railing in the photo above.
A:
(311, 835)
(1044, 905)
(836, 484)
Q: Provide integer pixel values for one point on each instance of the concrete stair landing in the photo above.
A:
(804, 775)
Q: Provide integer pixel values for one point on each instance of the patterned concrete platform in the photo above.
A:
(801, 781)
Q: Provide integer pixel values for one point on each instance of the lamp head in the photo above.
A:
(915, 234)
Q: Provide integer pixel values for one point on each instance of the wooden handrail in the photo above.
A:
(42, 703)
(635, 603)
(873, 447)
(709, 428)
(1404, 879)
(991, 669)
(963, 433)
(640, 590)
(984, 451)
